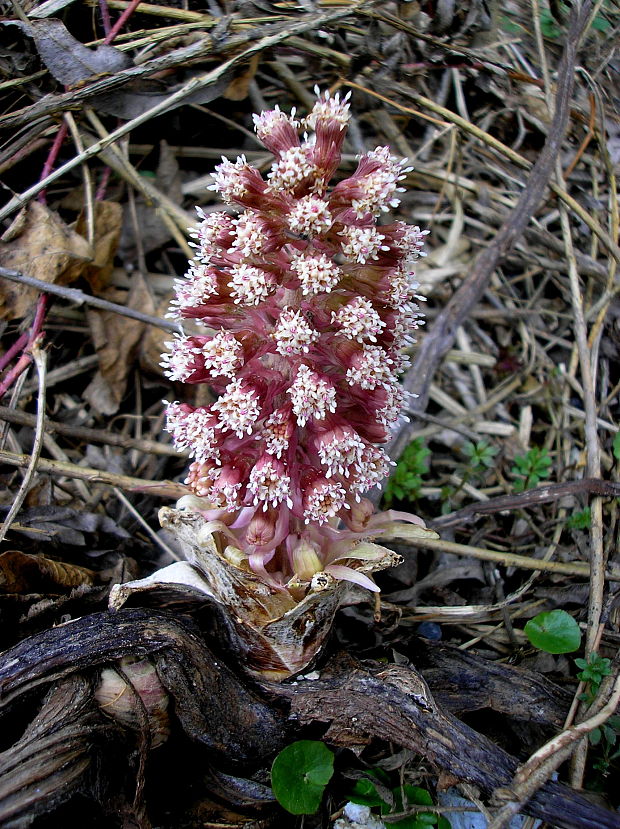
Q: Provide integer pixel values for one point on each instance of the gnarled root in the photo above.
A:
(239, 723)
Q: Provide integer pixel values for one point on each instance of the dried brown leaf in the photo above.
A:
(39, 244)
(116, 340)
(25, 573)
(108, 223)
(237, 89)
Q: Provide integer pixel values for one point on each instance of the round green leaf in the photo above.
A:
(299, 775)
(554, 632)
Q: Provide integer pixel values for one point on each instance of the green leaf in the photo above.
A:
(480, 454)
(365, 793)
(616, 446)
(548, 26)
(521, 465)
(580, 520)
(412, 795)
(554, 632)
(299, 775)
(534, 465)
(599, 24)
(509, 26)
(594, 668)
(595, 736)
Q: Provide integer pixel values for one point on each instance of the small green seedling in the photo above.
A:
(480, 455)
(299, 775)
(394, 800)
(593, 670)
(549, 25)
(581, 520)
(554, 632)
(531, 468)
(406, 480)
(552, 29)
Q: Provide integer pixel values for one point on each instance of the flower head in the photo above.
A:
(307, 302)
(317, 273)
(277, 131)
(293, 333)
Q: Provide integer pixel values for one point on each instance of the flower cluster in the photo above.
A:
(308, 302)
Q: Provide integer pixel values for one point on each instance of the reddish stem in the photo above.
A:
(17, 346)
(121, 21)
(103, 184)
(105, 16)
(51, 158)
(39, 317)
(24, 361)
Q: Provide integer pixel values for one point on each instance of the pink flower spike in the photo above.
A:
(341, 451)
(292, 168)
(329, 119)
(195, 290)
(262, 528)
(194, 431)
(358, 320)
(250, 285)
(255, 235)
(329, 112)
(234, 181)
(362, 244)
(372, 187)
(228, 485)
(370, 367)
(307, 301)
(214, 229)
(277, 432)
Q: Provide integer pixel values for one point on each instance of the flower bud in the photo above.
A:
(306, 561)
(358, 516)
(262, 528)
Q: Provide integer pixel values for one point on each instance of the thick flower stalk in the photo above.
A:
(308, 303)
